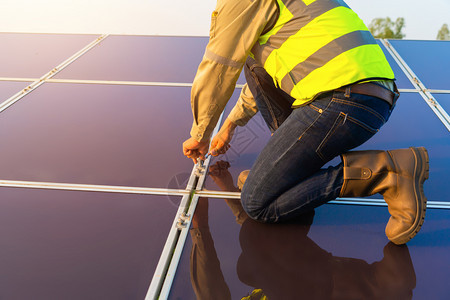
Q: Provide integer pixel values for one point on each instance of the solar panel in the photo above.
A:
(428, 59)
(140, 58)
(97, 134)
(74, 245)
(116, 117)
(444, 100)
(33, 55)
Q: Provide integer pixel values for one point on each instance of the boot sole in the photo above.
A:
(421, 174)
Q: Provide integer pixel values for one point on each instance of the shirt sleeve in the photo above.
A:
(235, 27)
(244, 109)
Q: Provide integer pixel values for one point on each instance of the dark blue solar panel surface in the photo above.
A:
(33, 55)
(429, 60)
(10, 88)
(80, 245)
(141, 58)
(344, 252)
(97, 134)
(444, 101)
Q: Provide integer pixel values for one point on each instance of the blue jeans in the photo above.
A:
(287, 178)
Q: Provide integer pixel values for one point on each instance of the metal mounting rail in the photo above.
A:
(350, 201)
(49, 75)
(166, 256)
(417, 83)
(107, 82)
(91, 188)
(21, 79)
(168, 263)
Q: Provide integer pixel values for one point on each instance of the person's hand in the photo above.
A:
(194, 149)
(222, 177)
(221, 142)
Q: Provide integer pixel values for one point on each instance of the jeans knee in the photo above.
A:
(255, 209)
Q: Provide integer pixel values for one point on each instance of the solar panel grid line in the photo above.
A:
(433, 91)
(92, 188)
(408, 90)
(125, 82)
(196, 182)
(20, 79)
(165, 259)
(38, 82)
(165, 84)
(428, 97)
(173, 241)
(165, 291)
(109, 82)
(122, 82)
(353, 201)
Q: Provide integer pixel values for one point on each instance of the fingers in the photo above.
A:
(220, 148)
(194, 154)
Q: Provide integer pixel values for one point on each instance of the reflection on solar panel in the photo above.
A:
(97, 201)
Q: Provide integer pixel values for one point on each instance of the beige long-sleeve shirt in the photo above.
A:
(235, 26)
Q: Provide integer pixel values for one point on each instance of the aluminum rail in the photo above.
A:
(108, 82)
(91, 188)
(166, 256)
(49, 75)
(18, 79)
(200, 172)
(168, 262)
(352, 201)
(417, 83)
(158, 83)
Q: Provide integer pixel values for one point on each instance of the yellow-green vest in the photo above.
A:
(317, 46)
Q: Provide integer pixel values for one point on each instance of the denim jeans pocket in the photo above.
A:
(352, 127)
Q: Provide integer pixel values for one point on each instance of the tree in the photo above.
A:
(385, 28)
(444, 33)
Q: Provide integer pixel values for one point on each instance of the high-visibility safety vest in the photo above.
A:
(317, 46)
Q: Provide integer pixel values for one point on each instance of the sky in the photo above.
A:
(186, 17)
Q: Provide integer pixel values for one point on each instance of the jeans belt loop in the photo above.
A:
(348, 92)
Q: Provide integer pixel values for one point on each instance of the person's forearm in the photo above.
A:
(228, 126)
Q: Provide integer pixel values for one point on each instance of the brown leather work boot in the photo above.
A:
(398, 175)
(242, 178)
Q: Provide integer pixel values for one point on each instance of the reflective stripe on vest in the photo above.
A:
(317, 46)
